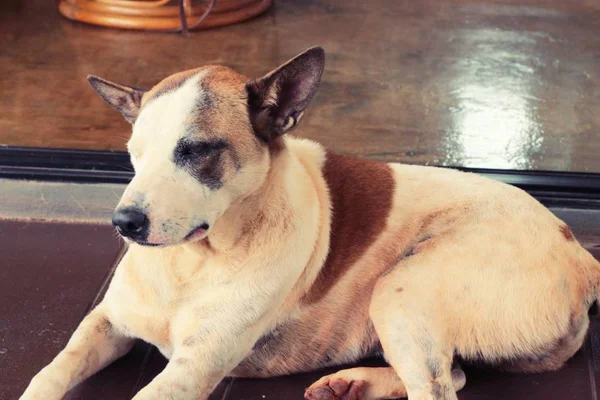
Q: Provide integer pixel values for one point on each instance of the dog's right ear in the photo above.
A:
(126, 99)
(276, 102)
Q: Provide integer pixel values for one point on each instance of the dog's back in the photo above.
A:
(504, 277)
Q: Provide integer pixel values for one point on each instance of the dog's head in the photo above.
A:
(202, 140)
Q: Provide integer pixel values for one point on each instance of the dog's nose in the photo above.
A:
(130, 222)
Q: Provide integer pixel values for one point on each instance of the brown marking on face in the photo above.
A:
(399, 290)
(220, 116)
(169, 84)
(204, 160)
(567, 233)
(361, 195)
(228, 118)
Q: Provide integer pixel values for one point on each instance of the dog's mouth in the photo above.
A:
(197, 233)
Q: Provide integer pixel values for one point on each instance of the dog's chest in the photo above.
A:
(150, 305)
(149, 320)
(153, 325)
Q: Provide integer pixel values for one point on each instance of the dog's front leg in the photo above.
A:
(207, 349)
(212, 336)
(94, 345)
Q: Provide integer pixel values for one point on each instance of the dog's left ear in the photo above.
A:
(126, 99)
(276, 102)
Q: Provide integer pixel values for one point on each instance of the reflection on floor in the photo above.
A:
(494, 83)
(506, 84)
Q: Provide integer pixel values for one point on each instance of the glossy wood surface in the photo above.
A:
(494, 83)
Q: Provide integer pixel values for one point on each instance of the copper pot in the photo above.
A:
(162, 15)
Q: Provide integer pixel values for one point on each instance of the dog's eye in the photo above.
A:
(199, 149)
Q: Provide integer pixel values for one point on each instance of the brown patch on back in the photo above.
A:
(399, 290)
(361, 195)
(567, 233)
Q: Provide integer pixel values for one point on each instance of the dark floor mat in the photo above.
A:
(51, 274)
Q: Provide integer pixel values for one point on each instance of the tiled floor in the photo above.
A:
(482, 83)
(52, 274)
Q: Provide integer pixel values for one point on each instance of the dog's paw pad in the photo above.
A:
(319, 393)
(335, 389)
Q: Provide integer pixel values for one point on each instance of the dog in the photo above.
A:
(255, 254)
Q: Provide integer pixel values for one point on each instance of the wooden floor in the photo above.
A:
(484, 83)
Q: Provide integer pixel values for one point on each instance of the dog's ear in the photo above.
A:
(126, 99)
(276, 102)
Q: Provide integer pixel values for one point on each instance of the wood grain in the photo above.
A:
(505, 84)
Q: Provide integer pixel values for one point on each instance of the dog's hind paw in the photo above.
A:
(335, 389)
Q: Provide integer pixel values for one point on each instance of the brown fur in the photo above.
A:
(360, 206)
(169, 84)
(104, 326)
(567, 233)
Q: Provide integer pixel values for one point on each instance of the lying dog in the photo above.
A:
(253, 254)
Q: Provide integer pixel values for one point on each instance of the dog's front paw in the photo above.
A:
(335, 389)
(163, 389)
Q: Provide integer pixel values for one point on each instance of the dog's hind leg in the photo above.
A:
(556, 354)
(410, 323)
(366, 384)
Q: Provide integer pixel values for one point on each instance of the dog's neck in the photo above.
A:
(246, 218)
